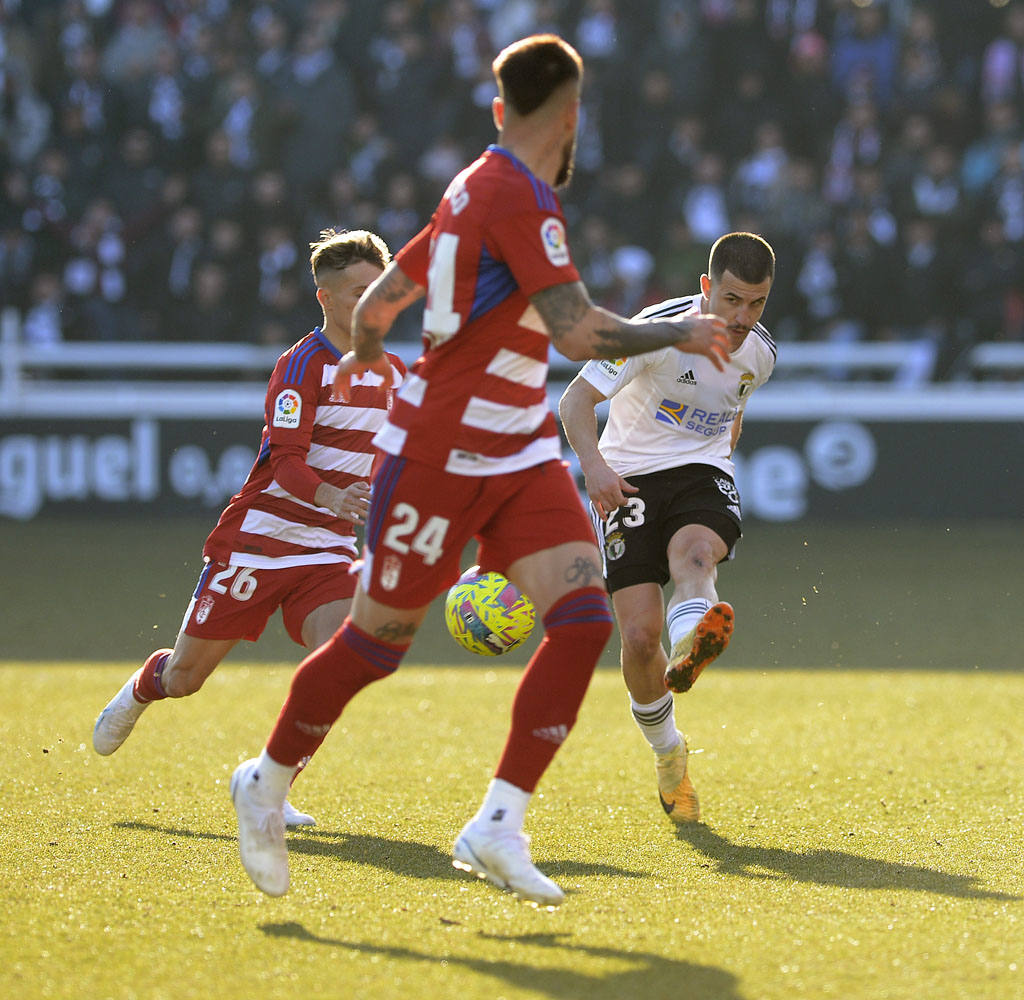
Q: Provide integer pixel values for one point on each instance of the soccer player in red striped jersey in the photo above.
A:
(472, 452)
(287, 538)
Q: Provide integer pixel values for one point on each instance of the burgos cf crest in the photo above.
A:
(287, 409)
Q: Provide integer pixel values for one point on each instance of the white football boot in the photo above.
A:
(260, 833)
(503, 858)
(117, 720)
(292, 816)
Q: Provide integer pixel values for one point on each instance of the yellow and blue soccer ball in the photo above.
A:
(487, 614)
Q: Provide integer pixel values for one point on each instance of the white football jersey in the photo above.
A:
(670, 409)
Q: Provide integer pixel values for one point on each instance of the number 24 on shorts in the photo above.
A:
(427, 542)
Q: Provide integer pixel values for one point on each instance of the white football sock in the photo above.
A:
(504, 805)
(271, 780)
(683, 617)
(657, 721)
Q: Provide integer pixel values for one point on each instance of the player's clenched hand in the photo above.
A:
(606, 489)
(349, 365)
(707, 335)
(351, 503)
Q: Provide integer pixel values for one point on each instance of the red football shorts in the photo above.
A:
(236, 602)
(421, 520)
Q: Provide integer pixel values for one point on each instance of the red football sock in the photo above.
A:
(149, 684)
(553, 685)
(323, 685)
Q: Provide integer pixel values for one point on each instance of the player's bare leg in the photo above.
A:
(639, 611)
(700, 625)
(167, 673)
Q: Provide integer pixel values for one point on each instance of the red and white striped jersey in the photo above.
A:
(308, 437)
(476, 403)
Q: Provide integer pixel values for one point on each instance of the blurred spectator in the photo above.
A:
(865, 54)
(44, 322)
(209, 316)
(807, 107)
(1003, 196)
(990, 288)
(983, 156)
(24, 116)
(705, 205)
(1002, 70)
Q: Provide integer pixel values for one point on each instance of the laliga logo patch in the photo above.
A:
(287, 409)
(552, 235)
(611, 368)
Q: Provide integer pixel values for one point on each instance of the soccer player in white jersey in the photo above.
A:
(286, 539)
(662, 494)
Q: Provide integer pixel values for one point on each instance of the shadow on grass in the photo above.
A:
(401, 857)
(647, 974)
(828, 867)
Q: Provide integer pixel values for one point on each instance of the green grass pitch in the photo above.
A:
(862, 841)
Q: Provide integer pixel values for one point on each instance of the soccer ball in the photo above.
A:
(487, 614)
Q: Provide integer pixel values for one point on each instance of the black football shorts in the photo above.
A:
(634, 539)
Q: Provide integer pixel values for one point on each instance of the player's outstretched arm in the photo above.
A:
(373, 316)
(606, 489)
(377, 309)
(581, 330)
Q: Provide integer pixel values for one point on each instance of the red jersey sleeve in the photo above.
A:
(290, 411)
(533, 244)
(414, 257)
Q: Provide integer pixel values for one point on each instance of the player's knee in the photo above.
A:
(640, 640)
(699, 560)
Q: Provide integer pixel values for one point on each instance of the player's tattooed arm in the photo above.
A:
(394, 285)
(581, 330)
(575, 323)
(377, 308)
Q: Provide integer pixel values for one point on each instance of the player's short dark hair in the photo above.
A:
(531, 70)
(746, 255)
(337, 249)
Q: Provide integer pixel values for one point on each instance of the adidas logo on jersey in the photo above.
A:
(687, 378)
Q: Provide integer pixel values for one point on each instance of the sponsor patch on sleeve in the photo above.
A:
(287, 409)
(552, 235)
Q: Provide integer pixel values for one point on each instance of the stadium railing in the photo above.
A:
(228, 380)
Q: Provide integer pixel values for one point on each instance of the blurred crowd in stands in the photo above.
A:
(165, 163)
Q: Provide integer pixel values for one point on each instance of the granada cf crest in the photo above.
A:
(390, 569)
(614, 546)
(203, 608)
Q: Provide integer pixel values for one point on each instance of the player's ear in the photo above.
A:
(705, 286)
(321, 295)
(498, 113)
